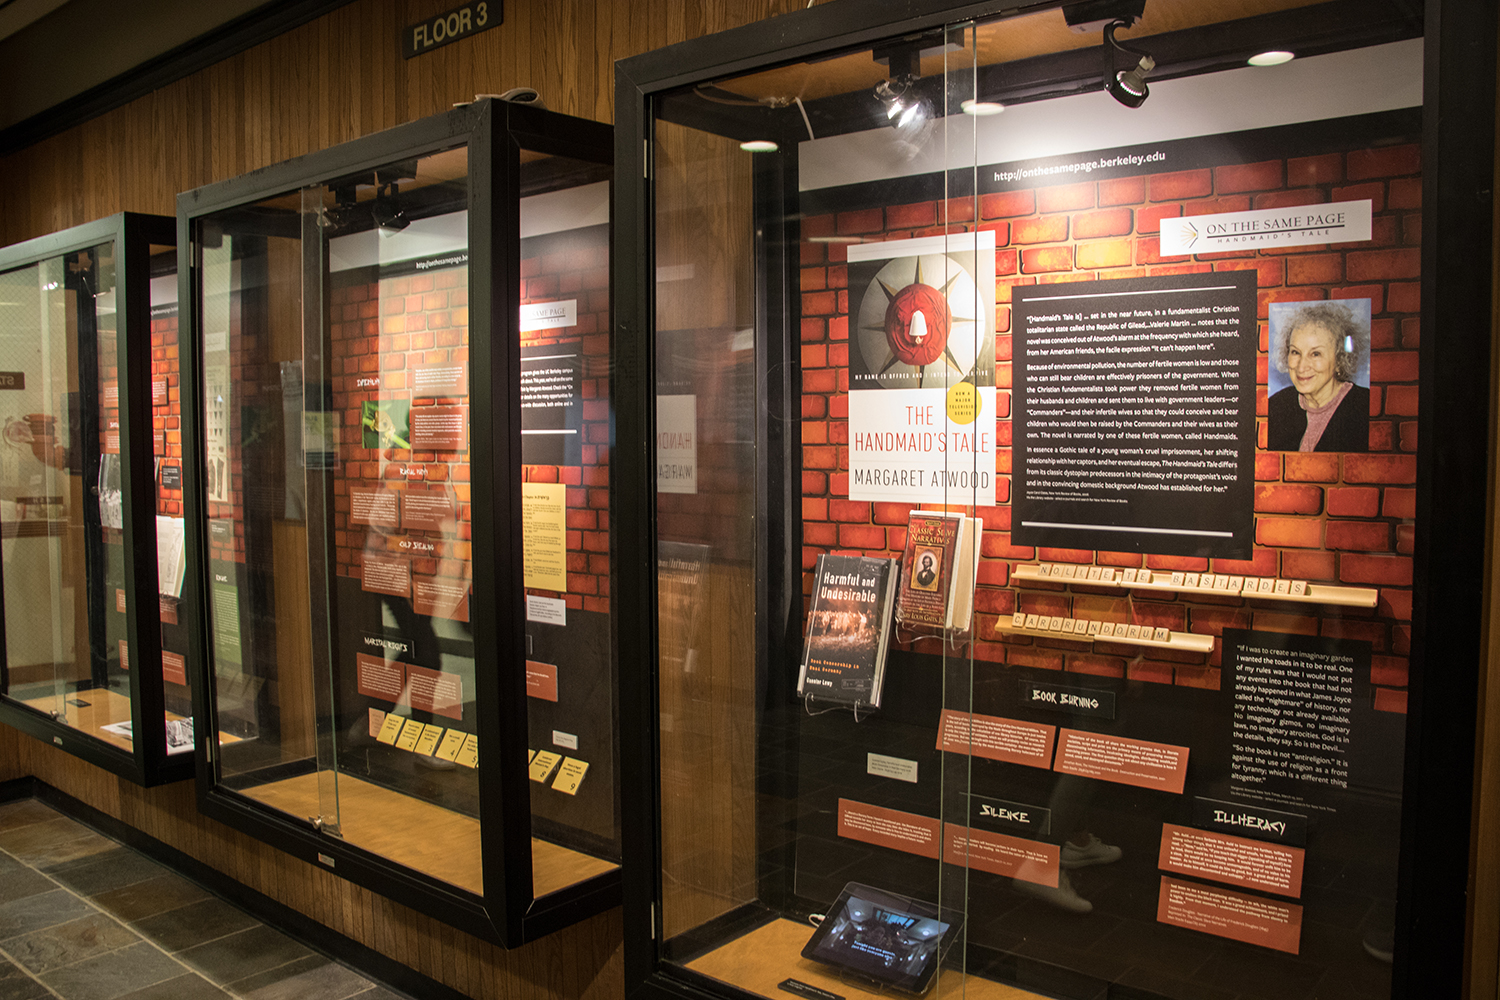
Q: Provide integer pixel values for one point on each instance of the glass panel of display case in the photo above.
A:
(1034, 504)
(171, 539)
(566, 422)
(71, 634)
(358, 446)
(344, 429)
(58, 521)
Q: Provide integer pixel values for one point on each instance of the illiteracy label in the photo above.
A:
(891, 767)
(922, 369)
(568, 741)
(570, 775)
(1250, 821)
(1219, 857)
(173, 667)
(542, 765)
(1119, 759)
(1027, 860)
(439, 428)
(1070, 700)
(375, 678)
(547, 610)
(1017, 817)
(900, 831)
(428, 510)
(441, 597)
(677, 444)
(1134, 414)
(544, 535)
(381, 574)
(1010, 740)
(1301, 225)
(541, 680)
(1232, 915)
(377, 507)
(436, 691)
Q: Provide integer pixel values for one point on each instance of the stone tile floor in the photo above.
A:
(83, 917)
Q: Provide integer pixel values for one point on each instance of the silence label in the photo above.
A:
(1134, 414)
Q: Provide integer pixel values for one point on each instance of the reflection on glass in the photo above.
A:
(60, 502)
(1102, 769)
(337, 430)
(565, 434)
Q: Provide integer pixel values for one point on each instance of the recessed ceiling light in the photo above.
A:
(981, 108)
(759, 146)
(1273, 58)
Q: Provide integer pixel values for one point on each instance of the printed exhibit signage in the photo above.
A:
(922, 370)
(1134, 414)
(450, 26)
(549, 315)
(677, 444)
(1303, 225)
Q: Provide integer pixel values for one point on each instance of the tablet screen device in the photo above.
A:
(894, 940)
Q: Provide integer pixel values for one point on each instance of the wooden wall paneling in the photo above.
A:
(331, 80)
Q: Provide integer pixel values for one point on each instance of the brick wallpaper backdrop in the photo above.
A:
(1325, 518)
(381, 330)
(166, 407)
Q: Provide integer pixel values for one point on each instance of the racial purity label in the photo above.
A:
(922, 370)
(1301, 225)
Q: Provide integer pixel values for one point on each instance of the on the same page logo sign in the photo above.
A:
(1303, 225)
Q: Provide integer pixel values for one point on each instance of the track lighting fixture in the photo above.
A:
(389, 218)
(1126, 86)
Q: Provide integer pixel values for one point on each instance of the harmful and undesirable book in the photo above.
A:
(938, 570)
(843, 660)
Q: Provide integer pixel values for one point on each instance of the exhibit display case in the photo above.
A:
(1059, 561)
(90, 487)
(399, 425)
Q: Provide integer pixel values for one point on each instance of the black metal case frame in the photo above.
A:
(148, 764)
(1449, 565)
(495, 133)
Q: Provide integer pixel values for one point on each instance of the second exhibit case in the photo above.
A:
(1040, 428)
(400, 417)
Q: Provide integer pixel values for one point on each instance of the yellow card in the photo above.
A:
(530, 756)
(410, 734)
(542, 765)
(391, 728)
(469, 755)
(429, 741)
(544, 535)
(453, 742)
(570, 775)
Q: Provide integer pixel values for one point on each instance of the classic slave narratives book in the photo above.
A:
(848, 626)
(938, 568)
